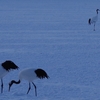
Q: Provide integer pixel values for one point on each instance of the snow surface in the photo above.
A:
(53, 35)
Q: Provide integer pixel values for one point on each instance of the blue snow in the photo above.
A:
(53, 35)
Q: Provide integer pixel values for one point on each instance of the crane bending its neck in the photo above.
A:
(13, 81)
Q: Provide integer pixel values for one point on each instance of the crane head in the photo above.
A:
(97, 10)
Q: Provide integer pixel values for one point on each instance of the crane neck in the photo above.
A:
(97, 12)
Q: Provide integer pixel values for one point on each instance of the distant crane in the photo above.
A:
(30, 74)
(94, 19)
(4, 69)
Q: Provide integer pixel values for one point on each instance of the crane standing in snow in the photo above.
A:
(94, 19)
(30, 74)
(5, 69)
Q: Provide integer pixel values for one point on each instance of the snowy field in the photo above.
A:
(53, 35)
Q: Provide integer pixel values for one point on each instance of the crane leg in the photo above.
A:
(1, 86)
(29, 88)
(35, 89)
(94, 27)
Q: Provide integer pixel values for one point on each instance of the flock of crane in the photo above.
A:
(28, 74)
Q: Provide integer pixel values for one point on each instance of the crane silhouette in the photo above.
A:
(30, 75)
(5, 68)
(94, 19)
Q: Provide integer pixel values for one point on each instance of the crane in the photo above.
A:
(30, 74)
(5, 68)
(94, 19)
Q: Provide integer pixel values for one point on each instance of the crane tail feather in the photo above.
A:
(41, 73)
(8, 65)
(89, 21)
